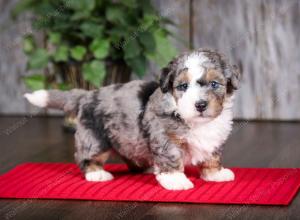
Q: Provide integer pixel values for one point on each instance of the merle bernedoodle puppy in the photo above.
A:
(183, 119)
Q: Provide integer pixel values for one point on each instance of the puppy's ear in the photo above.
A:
(166, 79)
(233, 77)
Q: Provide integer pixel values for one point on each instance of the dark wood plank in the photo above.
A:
(251, 144)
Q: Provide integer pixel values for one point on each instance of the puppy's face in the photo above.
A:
(200, 83)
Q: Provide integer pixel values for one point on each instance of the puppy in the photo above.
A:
(182, 120)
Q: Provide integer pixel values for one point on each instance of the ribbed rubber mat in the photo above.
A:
(264, 186)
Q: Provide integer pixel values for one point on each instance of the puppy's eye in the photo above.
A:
(182, 87)
(214, 84)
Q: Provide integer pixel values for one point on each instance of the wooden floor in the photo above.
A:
(251, 144)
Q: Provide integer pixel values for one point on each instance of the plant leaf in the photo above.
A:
(91, 29)
(130, 3)
(116, 15)
(165, 51)
(78, 52)
(82, 5)
(100, 48)
(28, 44)
(148, 41)
(54, 37)
(21, 6)
(80, 15)
(138, 65)
(35, 82)
(61, 53)
(147, 6)
(94, 72)
(39, 59)
(131, 48)
(149, 20)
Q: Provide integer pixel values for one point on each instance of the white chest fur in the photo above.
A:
(205, 138)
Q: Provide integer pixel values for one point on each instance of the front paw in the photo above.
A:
(222, 175)
(98, 176)
(174, 181)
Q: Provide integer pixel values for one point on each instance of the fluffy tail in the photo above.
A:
(67, 101)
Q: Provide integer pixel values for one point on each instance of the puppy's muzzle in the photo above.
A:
(201, 105)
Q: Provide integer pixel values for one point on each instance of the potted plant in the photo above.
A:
(89, 43)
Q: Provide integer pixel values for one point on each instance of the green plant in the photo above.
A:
(91, 32)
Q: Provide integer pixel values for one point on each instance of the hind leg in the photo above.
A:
(93, 168)
(91, 154)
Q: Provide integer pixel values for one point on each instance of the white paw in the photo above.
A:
(219, 176)
(174, 181)
(99, 175)
(38, 98)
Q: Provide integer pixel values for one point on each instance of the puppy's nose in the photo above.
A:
(201, 105)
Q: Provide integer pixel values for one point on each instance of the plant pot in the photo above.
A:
(117, 72)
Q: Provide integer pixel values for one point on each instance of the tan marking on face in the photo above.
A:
(183, 77)
(215, 98)
(215, 103)
(214, 75)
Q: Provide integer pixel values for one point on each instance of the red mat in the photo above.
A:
(267, 186)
